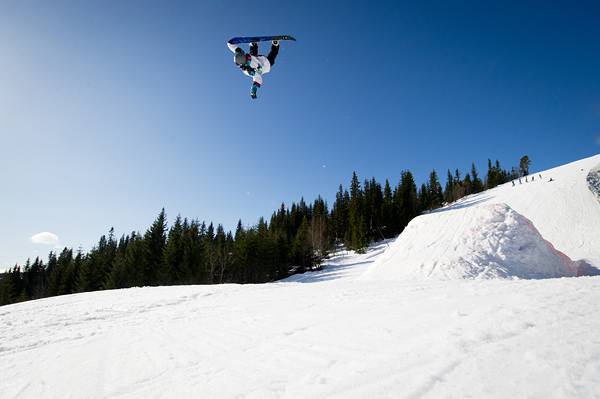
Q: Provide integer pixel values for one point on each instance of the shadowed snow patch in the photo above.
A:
(593, 180)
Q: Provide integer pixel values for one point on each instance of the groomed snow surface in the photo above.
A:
(330, 339)
(458, 306)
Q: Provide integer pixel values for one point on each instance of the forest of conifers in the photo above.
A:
(295, 239)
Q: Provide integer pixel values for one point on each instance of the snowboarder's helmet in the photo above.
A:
(240, 58)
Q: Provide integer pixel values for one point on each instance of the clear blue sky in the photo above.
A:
(110, 110)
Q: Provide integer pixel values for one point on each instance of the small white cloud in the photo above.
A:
(45, 238)
(323, 166)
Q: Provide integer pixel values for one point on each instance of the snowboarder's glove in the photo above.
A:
(248, 69)
(255, 87)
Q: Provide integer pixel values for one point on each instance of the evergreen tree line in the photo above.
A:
(296, 239)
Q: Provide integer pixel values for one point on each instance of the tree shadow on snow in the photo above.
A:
(329, 272)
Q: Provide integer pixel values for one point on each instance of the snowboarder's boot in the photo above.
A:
(274, 51)
(254, 49)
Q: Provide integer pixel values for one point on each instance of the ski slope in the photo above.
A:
(323, 339)
(547, 226)
(485, 323)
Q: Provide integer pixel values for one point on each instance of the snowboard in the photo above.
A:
(251, 39)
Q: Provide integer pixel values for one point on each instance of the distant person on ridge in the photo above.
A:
(254, 65)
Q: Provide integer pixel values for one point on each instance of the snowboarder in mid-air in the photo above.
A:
(254, 65)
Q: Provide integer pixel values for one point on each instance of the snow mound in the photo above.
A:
(560, 203)
(478, 242)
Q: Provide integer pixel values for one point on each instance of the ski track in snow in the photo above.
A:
(334, 333)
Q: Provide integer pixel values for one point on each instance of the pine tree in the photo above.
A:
(405, 200)
(155, 241)
(222, 253)
(57, 272)
(339, 215)
(34, 278)
(70, 277)
(387, 212)
(301, 248)
(240, 258)
(129, 266)
(53, 273)
(424, 200)
(173, 255)
(524, 163)
(11, 286)
(192, 263)
(449, 189)
(467, 186)
(476, 183)
(356, 237)
(435, 191)
(117, 277)
(97, 265)
(374, 216)
(210, 254)
(319, 229)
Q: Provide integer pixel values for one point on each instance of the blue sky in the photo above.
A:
(110, 110)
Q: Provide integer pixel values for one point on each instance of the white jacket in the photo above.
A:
(261, 64)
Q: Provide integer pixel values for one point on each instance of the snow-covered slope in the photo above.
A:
(343, 265)
(547, 226)
(331, 339)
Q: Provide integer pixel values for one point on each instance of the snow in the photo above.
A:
(485, 241)
(536, 229)
(346, 265)
(336, 339)
(565, 211)
(366, 325)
